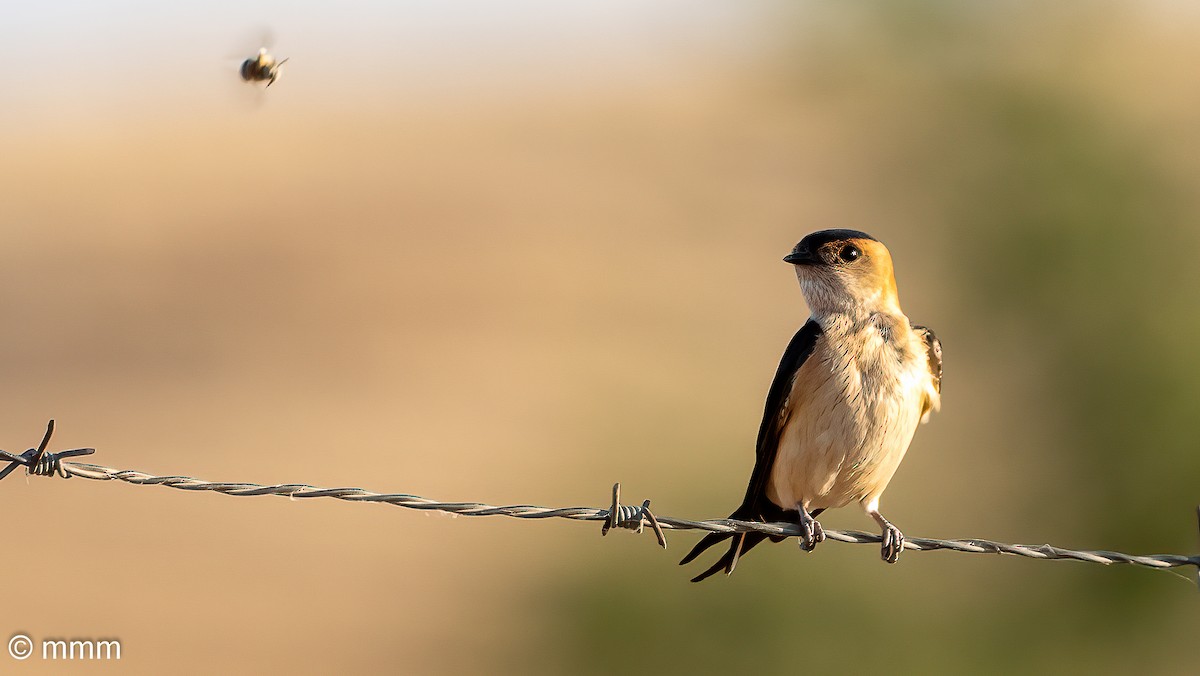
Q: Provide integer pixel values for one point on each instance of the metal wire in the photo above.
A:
(38, 461)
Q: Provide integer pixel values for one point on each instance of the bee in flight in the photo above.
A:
(261, 67)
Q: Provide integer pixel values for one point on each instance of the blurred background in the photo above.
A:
(514, 252)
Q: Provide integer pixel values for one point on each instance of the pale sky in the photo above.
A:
(89, 54)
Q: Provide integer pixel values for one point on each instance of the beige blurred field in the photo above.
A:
(517, 288)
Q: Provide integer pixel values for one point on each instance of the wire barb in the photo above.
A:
(631, 518)
(40, 463)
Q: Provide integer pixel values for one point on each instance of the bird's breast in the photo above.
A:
(853, 408)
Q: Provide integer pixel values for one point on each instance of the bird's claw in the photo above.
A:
(893, 543)
(811, 533)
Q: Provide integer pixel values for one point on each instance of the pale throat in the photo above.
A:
(825, 300)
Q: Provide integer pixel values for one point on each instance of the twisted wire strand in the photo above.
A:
(633, 518)
(39, 462)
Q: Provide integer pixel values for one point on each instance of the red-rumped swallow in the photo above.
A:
(854, 383)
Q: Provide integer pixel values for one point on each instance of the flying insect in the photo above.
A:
(261, 67)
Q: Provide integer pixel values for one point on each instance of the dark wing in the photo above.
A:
(933, 353)
(933, 350)
(755, 506)
(775, 415)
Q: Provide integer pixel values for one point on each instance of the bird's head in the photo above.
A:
(843, 271)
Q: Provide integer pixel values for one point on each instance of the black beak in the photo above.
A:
(800, 256)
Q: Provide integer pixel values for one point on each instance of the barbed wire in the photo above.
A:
(37, 461)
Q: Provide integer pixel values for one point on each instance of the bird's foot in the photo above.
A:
(893, 543)
(811, 532)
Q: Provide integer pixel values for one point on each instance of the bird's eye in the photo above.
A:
(850, 253)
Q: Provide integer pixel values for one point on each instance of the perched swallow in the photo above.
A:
(853, 385)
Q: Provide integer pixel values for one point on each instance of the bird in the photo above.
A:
(852, 387)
